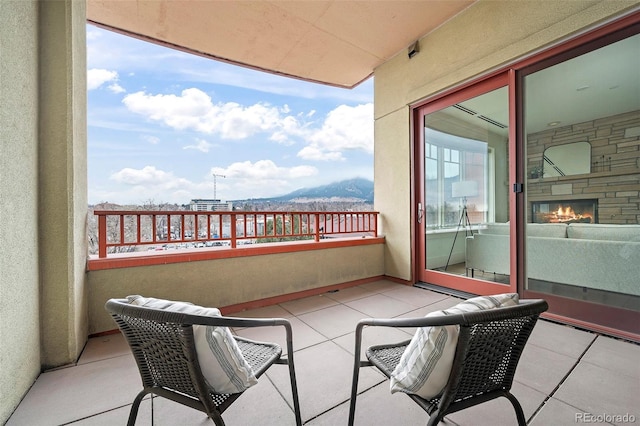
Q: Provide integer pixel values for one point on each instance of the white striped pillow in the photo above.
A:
(426, 362)
(223, 366)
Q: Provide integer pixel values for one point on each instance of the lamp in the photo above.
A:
(462, 189)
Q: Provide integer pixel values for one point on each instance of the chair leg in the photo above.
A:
(354, 390)
(435, 418)
(133, 414)
(516, 406)
(294, 390)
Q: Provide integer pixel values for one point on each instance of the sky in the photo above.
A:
(162, 123)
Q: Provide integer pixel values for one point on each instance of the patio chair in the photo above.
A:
(164, 347)
(485, 358)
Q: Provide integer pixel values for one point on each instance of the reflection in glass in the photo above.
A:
(581, 119)
(567, 160)
(466, 175)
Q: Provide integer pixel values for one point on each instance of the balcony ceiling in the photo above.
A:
(334, 42)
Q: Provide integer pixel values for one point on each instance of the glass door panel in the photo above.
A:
(582, 141)
(465, 190)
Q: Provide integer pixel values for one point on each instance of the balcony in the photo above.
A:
(566, 375)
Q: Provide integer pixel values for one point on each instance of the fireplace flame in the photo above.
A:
(566, 214)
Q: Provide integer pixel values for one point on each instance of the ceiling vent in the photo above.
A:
(494, 122)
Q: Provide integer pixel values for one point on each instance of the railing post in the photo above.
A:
(102, 236)
(317, 220)
(375, 225)
(233, 230)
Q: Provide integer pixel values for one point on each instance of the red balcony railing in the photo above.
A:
(129, 230)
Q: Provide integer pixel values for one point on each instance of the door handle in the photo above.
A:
(420, 212)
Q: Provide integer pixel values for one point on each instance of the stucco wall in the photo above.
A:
(225, 282)
(62, 183)
(43, 202)
(484, 37)
(19, 316)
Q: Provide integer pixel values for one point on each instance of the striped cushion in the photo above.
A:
(426, 362)
(221, 361)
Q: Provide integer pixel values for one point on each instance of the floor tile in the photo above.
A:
(333, 321)
(303, 335)
(74, 393)
(349, 294)
(380, 286)
(119, 416)
(273, 311)
(415, 296)
(376, 407)
(543, 369)
(597, 390)
(324, 375)
(103, 347)
(559, 413)
(261, 404)
(561, 338)
(500, 411)
(308, 304)
(615, 355)
(381, 306)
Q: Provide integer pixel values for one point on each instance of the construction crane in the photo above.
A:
(215, 177)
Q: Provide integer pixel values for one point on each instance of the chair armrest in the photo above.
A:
(123, 307)
(525, 307)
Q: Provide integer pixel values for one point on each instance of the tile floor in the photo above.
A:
(566, 376)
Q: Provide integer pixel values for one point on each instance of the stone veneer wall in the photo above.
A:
(615, 183)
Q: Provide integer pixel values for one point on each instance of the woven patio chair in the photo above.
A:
(488, 349)
(162, 342)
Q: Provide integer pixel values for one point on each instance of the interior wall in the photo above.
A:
(62, 203)
(19, 325)
(226, 282)
(482, 38)
(613, 177)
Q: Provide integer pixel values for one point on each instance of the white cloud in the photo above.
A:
(201, 145)
(345, 128)
(312, 152)
(242, 180)
(193, 109)
(150, 183)
(262, 178)
(96, 77)
(116, 88)
(146, 175)
(263, 170)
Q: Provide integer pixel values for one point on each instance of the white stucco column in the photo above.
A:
(62, 180)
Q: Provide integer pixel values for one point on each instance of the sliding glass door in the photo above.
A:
(582, 142)
(529, 181)
(463, 203)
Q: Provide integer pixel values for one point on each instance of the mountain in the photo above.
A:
(352, 190)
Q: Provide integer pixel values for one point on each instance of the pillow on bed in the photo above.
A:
(426, 362)
(223, 366)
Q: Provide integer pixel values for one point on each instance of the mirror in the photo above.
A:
(566, 160)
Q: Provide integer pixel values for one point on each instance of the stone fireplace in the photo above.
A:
(565, 211)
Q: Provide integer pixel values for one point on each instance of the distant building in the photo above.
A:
(201, 205)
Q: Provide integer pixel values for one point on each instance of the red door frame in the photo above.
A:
(456, 282)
